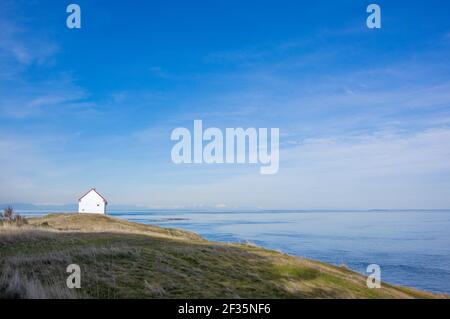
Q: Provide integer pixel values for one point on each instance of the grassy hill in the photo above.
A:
(121, 259)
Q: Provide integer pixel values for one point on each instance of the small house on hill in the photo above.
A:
(92, 203)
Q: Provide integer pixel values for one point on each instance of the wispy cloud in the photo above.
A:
(380, 170)
(17, 44)
(42, 99)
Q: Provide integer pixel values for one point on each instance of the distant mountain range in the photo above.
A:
(63, 208)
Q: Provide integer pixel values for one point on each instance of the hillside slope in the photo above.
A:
(121, 259)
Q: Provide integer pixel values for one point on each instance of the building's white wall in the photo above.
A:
(92, 203)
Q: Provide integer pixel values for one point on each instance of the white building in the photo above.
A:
(92, 203)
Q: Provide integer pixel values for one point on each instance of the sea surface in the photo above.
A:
(411, 247)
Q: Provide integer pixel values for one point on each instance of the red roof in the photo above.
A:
(93, 189)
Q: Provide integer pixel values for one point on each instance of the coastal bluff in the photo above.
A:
(122, 259)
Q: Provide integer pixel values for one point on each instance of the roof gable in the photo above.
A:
(94, 190)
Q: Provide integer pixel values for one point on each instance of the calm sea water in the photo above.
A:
(412, 247)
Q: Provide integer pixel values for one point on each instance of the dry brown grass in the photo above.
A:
(103, 223)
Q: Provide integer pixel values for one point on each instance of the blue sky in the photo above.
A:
(364, 115)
